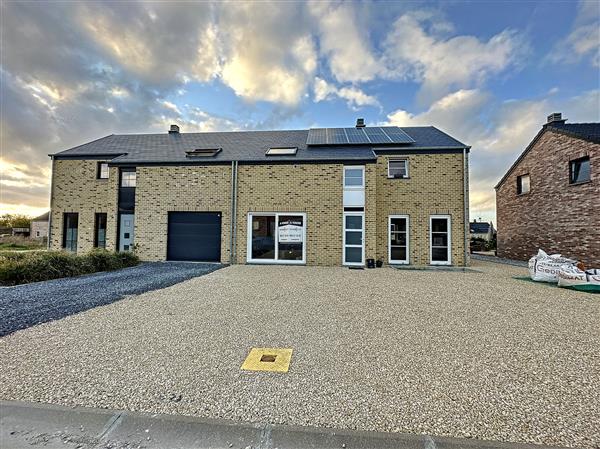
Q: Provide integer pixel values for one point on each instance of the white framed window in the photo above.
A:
(523, 184)
(102, 172)
(282, 151)
(276, 237)
(353, 239)
(440, 242)
(398, 168)
(398, 239)
(128, 179)
(354, 177)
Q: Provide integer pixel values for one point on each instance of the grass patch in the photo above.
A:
(18, 243)
(22, 268)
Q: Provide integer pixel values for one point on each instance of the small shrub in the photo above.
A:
(21, 268)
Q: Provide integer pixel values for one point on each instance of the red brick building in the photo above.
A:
(550, 197)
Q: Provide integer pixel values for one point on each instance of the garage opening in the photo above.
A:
(194, 236)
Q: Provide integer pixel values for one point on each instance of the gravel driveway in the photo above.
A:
(26, 305)
(476, 355)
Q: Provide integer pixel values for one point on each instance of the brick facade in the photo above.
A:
(556, 216)
(435, 187)
(179, 189)
(76, 189)
(39, 229)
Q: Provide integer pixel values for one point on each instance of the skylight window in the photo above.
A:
(282, 151)
(203, 152)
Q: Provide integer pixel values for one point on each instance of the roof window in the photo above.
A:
(282, 151)
(203, 152)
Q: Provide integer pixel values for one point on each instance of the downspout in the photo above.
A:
(466, 203)
(232, 246)
(51, 195)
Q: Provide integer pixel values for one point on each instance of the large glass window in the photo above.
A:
(579, 170)
(398, 251)
(100, 231)
(70, 227)
(275, 237)
(439, 236)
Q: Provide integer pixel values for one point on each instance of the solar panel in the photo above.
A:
(336, 136)
(397, 135)
(376, 135)
(356, 135)
(317, 136)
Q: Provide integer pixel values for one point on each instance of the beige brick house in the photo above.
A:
(550, 196)
(335, 196)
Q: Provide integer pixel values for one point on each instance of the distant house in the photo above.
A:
(23, 232)
(550, 197)
(482, 230)
(39, 226)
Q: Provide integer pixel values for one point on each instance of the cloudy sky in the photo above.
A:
(488, 73)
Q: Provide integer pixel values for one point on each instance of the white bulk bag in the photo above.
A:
(570, 275)
(545, 268)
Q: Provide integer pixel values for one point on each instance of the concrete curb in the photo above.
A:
(26, 425)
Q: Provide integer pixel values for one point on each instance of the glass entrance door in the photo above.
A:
(354, 230)
(126, 232)
(439, 240)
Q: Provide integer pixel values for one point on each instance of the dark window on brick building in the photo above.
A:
(100, 231)
(523, 184)
(579, 170)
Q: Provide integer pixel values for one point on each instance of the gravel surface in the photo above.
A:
(476, 355)
(26, 305)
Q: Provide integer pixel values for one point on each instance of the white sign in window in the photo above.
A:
(290, 229)
(276, 237)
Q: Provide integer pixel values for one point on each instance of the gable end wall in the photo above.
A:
(555, 216)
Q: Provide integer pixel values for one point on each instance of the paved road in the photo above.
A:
(26, 305)
(25, 425)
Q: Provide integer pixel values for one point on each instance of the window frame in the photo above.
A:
(275, 261)
(395, 261)
(122, 179)
(351, 245)
(97, 215)
(64, 236)
(574, 161)
(448, 232)
(281, 151)
(354, 167)
(406, 164)
(99, 171)
(520, 184)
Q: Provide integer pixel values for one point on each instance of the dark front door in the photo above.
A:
(194, 236)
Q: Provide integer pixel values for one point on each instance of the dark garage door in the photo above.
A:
(194, 236)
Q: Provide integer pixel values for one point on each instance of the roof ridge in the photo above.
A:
(213, 132)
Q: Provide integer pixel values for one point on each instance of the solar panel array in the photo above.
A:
(358, 136)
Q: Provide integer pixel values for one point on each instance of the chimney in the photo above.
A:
(556, 117)
(174, 129)
(360, 122)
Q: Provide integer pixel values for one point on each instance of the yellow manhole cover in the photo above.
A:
(268, 359)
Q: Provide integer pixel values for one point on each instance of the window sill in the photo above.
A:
(401, 179)
(523, 194)
(573, 184)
